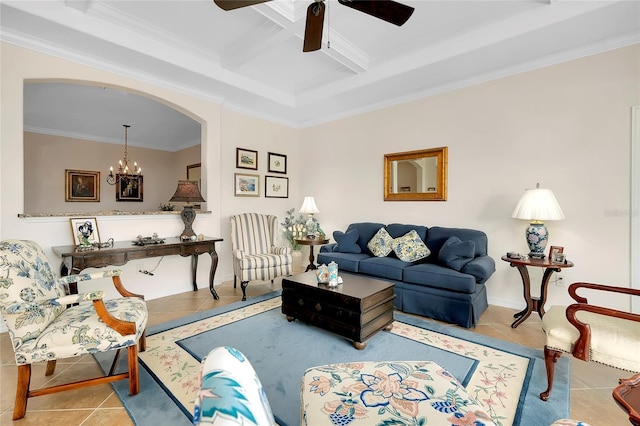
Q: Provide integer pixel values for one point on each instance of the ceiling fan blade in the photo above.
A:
(237, 4)
(313, 28)
(387, 10)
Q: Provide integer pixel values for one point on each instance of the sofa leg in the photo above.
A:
(243, 286)
(550, 358)
(235, 279)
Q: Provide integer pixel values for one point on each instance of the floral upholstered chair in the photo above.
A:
(44, 327)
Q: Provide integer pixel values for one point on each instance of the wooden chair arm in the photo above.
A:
(117, 283)
(123, 327)
(613, 289)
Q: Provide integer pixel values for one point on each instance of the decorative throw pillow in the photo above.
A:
(410, 247)
(456, 253)
(347, 241)
(380, 244)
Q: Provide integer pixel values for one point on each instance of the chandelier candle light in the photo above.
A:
(188, 192)
(123, 167)
(309, 207)
(537, 205)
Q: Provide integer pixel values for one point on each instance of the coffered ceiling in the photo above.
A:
(251, 59)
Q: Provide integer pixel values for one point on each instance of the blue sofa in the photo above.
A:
(448, 285)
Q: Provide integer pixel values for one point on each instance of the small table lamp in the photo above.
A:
(187, 192)
(309, 207)
(537, 205)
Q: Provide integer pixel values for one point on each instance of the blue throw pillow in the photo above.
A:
(456, 253)
(347, 241)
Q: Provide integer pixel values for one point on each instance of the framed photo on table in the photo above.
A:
(84, 231)
(246, 159)
(82, 185)
(556, 254)
(276, 187)
(246, 185)
(277, 163)
(129, 188)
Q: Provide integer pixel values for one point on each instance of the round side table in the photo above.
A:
(318, 241)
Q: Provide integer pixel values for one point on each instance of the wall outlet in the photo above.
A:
(139, 267)
(558, 280)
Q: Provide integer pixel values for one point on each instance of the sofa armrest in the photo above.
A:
(481, 267)
(328, 248)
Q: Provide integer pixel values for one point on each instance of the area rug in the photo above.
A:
(505, 378)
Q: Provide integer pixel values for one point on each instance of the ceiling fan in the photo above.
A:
(387, 10)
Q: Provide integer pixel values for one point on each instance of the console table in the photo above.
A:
(74, 261)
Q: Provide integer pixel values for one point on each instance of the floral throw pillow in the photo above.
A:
(410, 247)
(380, 244)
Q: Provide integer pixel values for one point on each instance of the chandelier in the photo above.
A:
(123, 168)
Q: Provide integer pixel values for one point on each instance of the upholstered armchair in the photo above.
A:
(255, 255)
(592, 333)
(44, 326)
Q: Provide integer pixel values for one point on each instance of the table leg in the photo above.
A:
(543, 289)
(194, 271)
(212, 273)
(312, 259)
(526, 288)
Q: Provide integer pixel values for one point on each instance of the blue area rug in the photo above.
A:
(506, 376)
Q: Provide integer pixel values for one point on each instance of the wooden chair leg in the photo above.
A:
(22, 391)
(132, 359)
(550, 358)
(51, 367)
(244, 285)
(143, 341)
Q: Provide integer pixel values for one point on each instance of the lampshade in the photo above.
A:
(187, 192)
(538, 204)
(309, 206)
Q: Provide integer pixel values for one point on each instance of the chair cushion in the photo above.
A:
(614, 341)
(380, 244)
(347, 241)
(456, 253)
(410, 247)
(265, 260)
(79, 331)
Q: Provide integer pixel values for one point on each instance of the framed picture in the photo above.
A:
(82, 185)
(556, 254)
(246, 159)
(247, 185)
(84, 231)
(129, 188)
(276, 187)
(277, 163)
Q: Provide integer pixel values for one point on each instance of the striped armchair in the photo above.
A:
(255, 255)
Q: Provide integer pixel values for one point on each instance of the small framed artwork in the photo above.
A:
(246, 185)
(246, 159)
(277, 163)
(84, 231)
(556, 254)
(129, 188)
(82, 185)
(276, 187)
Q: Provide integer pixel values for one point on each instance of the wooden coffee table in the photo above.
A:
(356, 309)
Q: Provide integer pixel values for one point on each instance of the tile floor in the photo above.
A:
(591, 384)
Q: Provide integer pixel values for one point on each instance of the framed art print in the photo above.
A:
(129, 188)
(277, 163)
(246, 185)
(84, 231)
(246, 159)
(276, 187)
(82, 185)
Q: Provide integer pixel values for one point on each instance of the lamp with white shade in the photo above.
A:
(309, 207)
(537, 205)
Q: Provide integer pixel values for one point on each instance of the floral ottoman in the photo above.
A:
(398, 392)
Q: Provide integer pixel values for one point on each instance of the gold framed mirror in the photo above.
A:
(416, 175)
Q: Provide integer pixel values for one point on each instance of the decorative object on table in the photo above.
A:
(322, 274)
(333, 274)
(556, 254)
(84, 231)
(167, 207)
(276, 187)
(537, 205)
(293, 228)
(246, 185)
(82, 185)
(194, 172)
(145, 241)
(277, 163)
(187, 192)
(123, 165)
(246, 159)
(309, 207)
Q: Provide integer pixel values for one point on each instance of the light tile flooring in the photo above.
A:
(591, 384)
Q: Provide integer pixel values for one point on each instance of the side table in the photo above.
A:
(311, 242)
(534, 303)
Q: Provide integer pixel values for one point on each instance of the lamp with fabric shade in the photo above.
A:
(187, 192)
(309, 207)
(537, 205)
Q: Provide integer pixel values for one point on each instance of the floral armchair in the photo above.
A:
(44, 326)
(254, 250)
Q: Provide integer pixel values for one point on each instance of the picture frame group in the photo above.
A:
(248, 185)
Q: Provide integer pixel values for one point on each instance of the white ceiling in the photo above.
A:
(251, 59)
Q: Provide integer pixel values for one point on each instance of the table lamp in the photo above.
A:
(309, 207)
(187, 192)
(537, 205)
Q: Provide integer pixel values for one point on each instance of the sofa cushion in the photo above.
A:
(367, 230)
(398, 230)
(410, 247)
(380, 244)
(432, 275)
(346, 261)
(383, 267)
(456, 253)
(347, 241)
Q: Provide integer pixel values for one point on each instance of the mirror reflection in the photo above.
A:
(416, 175)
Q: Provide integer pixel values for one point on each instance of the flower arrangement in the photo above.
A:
(294, 228)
